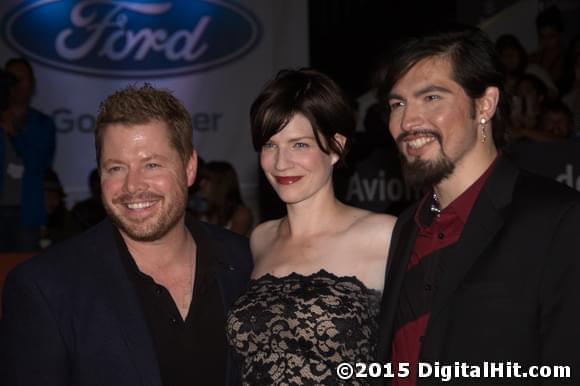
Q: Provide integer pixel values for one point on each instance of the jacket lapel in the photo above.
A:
(485, 221)
(125, 303)
(216, 252)
(227, 277)
(403, 240)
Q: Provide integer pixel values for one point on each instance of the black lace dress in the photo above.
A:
(295, 330)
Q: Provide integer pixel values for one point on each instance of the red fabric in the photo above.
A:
(406, 346)
(445, 230)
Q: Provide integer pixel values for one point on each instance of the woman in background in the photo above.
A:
(220, 189)
(319, 271)
(514, 59)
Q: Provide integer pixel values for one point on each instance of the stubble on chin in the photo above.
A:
(149, 229)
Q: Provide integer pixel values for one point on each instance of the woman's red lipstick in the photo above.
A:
(287, 180)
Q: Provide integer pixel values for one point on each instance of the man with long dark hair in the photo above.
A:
(486, 267)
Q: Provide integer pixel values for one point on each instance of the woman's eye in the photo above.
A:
(300, 145)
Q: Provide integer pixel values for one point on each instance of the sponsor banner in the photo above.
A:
(215, 55)
(373, 178)
(557, 160)
(375, 182)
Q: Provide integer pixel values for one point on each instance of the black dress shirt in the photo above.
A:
(190, 351)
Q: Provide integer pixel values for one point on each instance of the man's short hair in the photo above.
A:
(135, 105)
(475, 66)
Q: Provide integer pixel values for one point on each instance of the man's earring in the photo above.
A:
(482, 122)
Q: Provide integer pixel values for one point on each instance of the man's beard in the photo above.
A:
(165, 221)
(421, 174)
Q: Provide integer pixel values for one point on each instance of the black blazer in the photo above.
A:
(71, 316)
(511, 291)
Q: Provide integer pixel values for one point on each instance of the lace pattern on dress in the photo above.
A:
(296, 329)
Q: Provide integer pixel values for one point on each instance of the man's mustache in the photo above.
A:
(401, 137)
(142, 196)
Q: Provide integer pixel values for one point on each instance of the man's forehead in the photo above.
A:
(427, 70)
(432, 66)
(152, 124)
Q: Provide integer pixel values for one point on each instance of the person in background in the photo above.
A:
(571, 95)
(557, 120)
(514, 59)
(550, 53)
(60, 225)
(527, 110)
(7, 81)
(195, 204)
(516, 65)
(142, 297)
(485, 267)
(27, 146)
(220, 189)
(90, 211)
(318, 276)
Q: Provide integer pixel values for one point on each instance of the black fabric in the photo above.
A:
(510, 289)
(421, 281)
(71, 316)
(419, 288)
(190, 351)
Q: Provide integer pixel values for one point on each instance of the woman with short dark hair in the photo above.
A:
(319, 271)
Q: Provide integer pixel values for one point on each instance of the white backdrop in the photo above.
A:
(218, 97)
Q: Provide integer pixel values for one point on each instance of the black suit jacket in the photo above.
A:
(71, 316)
(511, 289)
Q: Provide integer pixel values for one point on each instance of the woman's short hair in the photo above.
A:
(312, 94)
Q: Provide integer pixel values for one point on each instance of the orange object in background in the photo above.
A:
(9, 260)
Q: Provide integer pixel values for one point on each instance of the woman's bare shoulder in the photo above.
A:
(263, 235)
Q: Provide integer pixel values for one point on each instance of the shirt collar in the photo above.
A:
(207, 257)
(460, 207)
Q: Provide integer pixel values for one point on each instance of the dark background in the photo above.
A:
(348, 38)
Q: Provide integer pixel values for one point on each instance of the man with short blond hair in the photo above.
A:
(142, 297)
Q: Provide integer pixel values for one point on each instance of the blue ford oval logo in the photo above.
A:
(132, 38)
